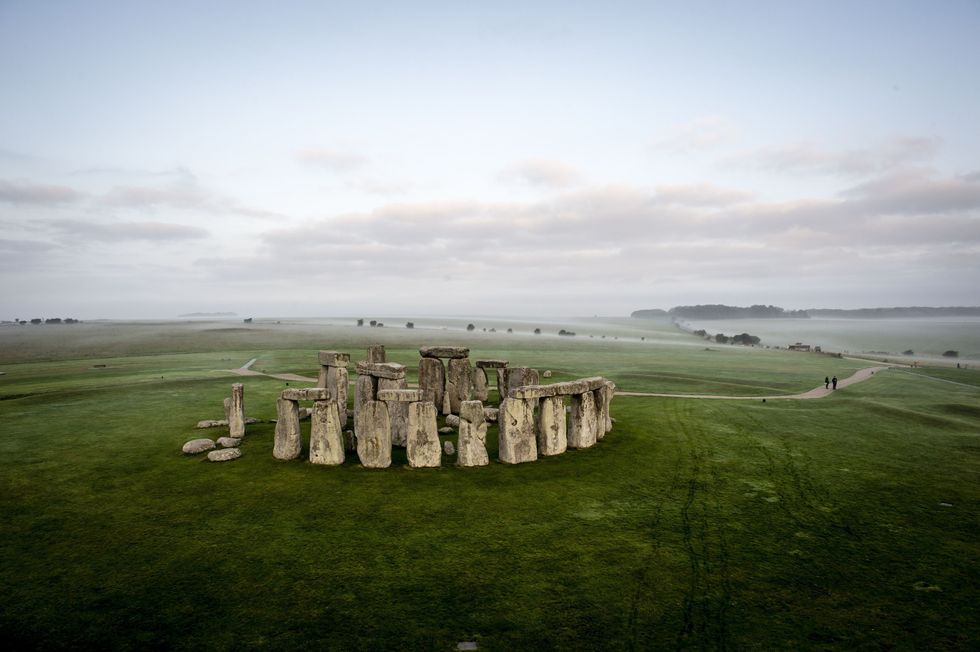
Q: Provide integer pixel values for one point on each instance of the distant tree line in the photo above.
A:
(719, 311)
(52, 320)
(721, 338)
(759, 311)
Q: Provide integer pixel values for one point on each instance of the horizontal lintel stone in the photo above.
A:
(400, 395)
(492, 364)
(568, 388)
(391, 370)
(444, 352)
(306, 394)
(334, 359)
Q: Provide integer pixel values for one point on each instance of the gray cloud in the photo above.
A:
(808, 158)
(25, 193)
(541, 173)
(120, 231)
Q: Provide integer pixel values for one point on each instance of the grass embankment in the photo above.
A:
(840, 522)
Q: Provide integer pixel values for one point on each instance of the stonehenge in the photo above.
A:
(534, 420)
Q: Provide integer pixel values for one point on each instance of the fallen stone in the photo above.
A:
(390, 370)
(491, 364)
(444, 352)
(583, 422)
(517, 440)
(236, 412)
(372, 426)
(452, 420)
(422, 448)
(480, 384)
(546, 374)
(229, 442)
(211, 423)
(376, 353)
(472, 435)
(326, 440)
(397, 411)
(491, 413)
(287, 444)
(448, 448)
(305, 394)
(552, 428)
(446, 430)
(334, 359)
(225, 455)
(432, 379)
(399, 395)
(195, 446)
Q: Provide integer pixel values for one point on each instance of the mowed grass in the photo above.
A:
(850, 521)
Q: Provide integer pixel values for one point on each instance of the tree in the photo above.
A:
(537, 331)
(908, 352)
(373, 322)
(409, 324)
(470, 327)
(721, 338)
(510, 330)
(35, 321)
(360, 322)
(951, 354)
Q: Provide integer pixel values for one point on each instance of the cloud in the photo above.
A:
(697, 135)
(701, 195)
(808, 158)
(332, 160)
(542, 173)
(917, 192)
(121, 231)
(24, 193)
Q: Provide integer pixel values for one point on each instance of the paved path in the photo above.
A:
(816, 392)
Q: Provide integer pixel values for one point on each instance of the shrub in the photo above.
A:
(510, 330)
(566, 333)
(721, 338)
(951, 354)
(908, 352)
(360, 322)
(537, 331)
(470, 327)
(409, 324)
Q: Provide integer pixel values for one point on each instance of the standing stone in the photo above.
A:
(236, 412)
(338, 384)
(376, 353)
(423, 440)
(397, 411)
(552, 429)
(472, 435)
(373, 430)
(365, 390)
(432, 379)
(517, 440)
(480, 389)
(227, 403)
(502, 383)
(326, 442)
(584, 423)
(602, 397)
(321, 377)
(519, 377)
(447, 402)
(288, 442)
(459, 375)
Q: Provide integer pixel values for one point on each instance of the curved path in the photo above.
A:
(816, 392)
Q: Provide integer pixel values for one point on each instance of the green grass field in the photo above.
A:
(845, 522)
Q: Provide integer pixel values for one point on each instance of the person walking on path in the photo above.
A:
(826, 382)
(834, 382)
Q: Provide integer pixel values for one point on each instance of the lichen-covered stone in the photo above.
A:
(567, 388)
(229, 442)
(225, 455)
(602, 397)
(338, 384)
(422, 446)
(227, 406)
(391, 370)
(480, 389)
(517, 439)
(491, 413)
(195, 446)
(305, 394)
(432, 379)
(326, 440)
(448, 448)
(376, 353)
(365, 390)
(397, 411)
(444, 352)
(491, 364)
(335, 359)
(472, 438)
(372, 427)
(551, 426)
(584, 424)
(452, 420)
(400, 395)
(288, 441)
(236, 412)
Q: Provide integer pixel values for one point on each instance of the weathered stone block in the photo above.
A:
(480, 390)
(391, 370)
(602, 397)
(373, 431)
(397, 411)
(452, 420)
(236, 412)
(334, 359)
(229, 442)
(432, 378)
(491, 364)
(288, 441)
(584, 425)
(567, 388)
(517, 439)
(459, 375)
(225, 455)
(423, 440)
(227, 406)
(305, 394)
(195, 446)
(444, 352)
(552, 427)
(365, 390)
(376, 353)
(472, 435)
(491, 413)
(326, 439)
(338, 384)
(400, 395)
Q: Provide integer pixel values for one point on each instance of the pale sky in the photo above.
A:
(511, 158)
